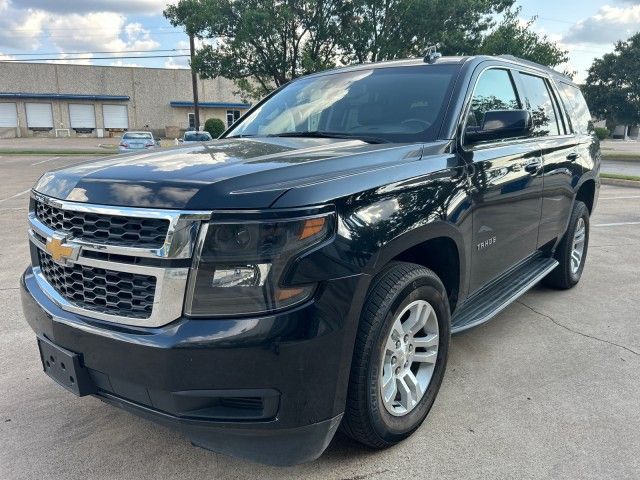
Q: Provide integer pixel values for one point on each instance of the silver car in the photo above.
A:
(196, 137)
(136, 141)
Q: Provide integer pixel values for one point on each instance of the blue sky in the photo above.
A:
(587, 28)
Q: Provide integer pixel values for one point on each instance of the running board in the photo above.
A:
(498, 295)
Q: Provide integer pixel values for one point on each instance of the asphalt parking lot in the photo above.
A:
(548, 389)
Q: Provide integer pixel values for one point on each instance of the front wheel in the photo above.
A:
(572, 250)
(399, 357)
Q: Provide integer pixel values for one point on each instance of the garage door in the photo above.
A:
(39, 115)
(8, 115)
(82, 116)
(115, 116)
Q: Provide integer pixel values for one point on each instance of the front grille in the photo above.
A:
(105, 229)
(107, 291)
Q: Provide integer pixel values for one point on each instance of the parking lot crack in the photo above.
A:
(577, 332)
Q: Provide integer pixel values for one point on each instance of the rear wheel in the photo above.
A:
(572, 250)
(400, 355)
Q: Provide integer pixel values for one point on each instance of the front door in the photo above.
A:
(505, 181)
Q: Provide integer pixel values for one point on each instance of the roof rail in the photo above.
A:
(539, 66)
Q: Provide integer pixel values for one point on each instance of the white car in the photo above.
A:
(135, 141)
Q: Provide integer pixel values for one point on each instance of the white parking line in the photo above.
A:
(14, 196)
(45, 160)
(616, 224)
(619, 198)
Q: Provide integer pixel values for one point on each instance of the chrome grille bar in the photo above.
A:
(170, 283)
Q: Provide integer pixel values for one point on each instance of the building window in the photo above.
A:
(192, 121)
(232, 116)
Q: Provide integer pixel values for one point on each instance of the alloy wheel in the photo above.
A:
(409, 358)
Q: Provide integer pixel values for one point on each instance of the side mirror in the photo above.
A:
(499, 124)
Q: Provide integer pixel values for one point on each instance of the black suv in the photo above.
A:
(305, 271)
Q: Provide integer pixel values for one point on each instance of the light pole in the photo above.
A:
(194, 81)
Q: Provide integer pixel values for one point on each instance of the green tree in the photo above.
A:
(390, 29)
(214, 126)
(612, 88)
(262, 44)
(513, 37)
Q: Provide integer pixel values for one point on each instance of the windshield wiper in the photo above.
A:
(319, 134)
(240, 136)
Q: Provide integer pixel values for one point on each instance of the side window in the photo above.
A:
(540, 102)
(494, 91)
(576, 108)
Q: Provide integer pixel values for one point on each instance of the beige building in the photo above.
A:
(96, 101)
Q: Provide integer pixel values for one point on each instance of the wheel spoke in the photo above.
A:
(389, 389)
(396, 334)
(426, 357)
(409, 389)
(416, 319)
(426, 342)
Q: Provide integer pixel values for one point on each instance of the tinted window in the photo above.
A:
(137, 136)
(540, 103)
(576, 107)
(397, 104)
(197, 137)
(494, 91)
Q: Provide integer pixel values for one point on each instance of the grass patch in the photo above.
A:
(617, 176)
(611, 155)
(62, 153)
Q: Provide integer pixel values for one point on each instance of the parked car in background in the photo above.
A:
(135, 141)
(196, 137)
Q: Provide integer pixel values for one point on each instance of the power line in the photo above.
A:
(92, 58)
(102, 52)
(26, 34)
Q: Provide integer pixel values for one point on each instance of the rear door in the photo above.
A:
(8, 115)
(115, 116)
(39, 115)
(82, 116)
(561, 170)
(505, 183)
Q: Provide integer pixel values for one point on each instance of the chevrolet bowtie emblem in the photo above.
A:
(60, 252)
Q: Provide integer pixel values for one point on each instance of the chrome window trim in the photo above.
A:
(171, 283)
(181, 234)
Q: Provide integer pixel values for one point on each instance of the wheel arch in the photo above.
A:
(586, 193)
(438, 246)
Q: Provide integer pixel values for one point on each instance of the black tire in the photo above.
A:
(563, 276)
(366, 419)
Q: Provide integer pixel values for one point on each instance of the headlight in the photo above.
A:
(240, 264)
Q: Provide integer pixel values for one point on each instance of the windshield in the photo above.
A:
(137, 136)
(393, 104)
(196, 137)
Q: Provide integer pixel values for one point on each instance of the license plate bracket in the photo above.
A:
(65, 368)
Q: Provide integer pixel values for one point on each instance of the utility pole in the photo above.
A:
(194, 81)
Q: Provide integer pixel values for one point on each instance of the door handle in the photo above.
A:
(572, 157)
(533, 165)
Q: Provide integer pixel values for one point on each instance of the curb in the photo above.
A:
(619, 182)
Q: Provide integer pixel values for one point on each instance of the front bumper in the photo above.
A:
(270, 389)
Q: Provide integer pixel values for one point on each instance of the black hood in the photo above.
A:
(234, 173)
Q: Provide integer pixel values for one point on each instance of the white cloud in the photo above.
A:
(179, 62)
(100, 31)
(65, 59)
(20, 29)
(120, 63)
(608, 25)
